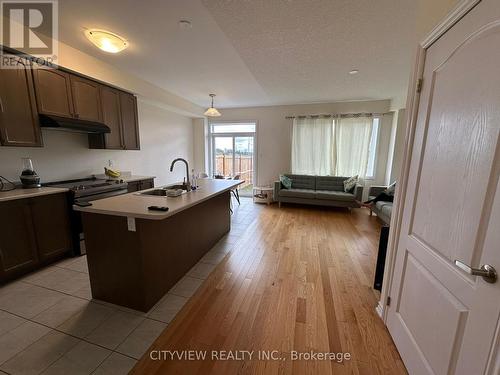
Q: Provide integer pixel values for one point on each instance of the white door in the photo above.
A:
(442, 319)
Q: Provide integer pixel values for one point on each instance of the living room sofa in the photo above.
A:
(382, 209)
(317, 190)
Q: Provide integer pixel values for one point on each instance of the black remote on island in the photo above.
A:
(158, 208)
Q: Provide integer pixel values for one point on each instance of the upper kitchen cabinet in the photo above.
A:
(18, 113)
(130, 127)
(110, 104)
(119, 113)
(53, 92)
(86, 99)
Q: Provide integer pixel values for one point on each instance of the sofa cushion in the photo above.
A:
(334, 195)
(381, 204)
(297, 193)
(387, 209)
(302, 181)
(330, 183)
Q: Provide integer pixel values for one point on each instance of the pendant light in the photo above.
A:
(212, 112)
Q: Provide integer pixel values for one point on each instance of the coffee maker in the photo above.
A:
(29, 178)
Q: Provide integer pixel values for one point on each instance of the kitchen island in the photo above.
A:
(136, 255)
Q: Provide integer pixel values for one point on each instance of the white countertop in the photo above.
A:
(136, 205)
(21, 193)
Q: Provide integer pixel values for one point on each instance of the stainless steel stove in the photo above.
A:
(87, 190)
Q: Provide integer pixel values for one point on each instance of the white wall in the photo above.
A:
(274, 133)
(164, 136)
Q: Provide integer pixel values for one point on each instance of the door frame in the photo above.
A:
(412, 106)
(211, 140)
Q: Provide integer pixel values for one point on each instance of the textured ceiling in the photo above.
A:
(256, 52)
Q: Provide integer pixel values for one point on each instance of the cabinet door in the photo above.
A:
(130, 128)
(18, 252)
(110, 104)
(18, 114)
(86, 99)
(52, 225)
(53, 92)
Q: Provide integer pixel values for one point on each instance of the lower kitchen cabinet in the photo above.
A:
(51, 221)
(33, 232)
(140, 185)
(18, 250)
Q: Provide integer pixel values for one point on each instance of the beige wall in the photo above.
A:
(274, 133)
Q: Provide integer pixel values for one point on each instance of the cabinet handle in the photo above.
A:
(1, 105)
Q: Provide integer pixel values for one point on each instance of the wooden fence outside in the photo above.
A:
(243, 167)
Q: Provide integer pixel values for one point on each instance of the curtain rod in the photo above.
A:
(340, 115)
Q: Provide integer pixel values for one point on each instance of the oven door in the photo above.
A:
(78, 236)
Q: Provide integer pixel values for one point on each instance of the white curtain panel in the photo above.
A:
(352, 143)
(312, 146)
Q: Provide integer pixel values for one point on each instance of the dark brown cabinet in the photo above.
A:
(110, 103)
(33, 232)
(119, 111)
(86, 99)
(140, 185)
(53, 92)
(130, 129)
(18, 251)
(26, 93)
(18, 113)
(51, 225)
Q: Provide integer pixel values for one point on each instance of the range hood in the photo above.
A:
(72, 125)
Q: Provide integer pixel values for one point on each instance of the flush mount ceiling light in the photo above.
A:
(212, 112)
(354, 71)
(106, 40)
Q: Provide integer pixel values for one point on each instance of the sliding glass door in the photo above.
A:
(233, 153)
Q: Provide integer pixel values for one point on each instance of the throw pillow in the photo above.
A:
(391, 189)
(350, 183)
(286, 182)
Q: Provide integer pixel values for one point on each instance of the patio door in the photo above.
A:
(233, 153)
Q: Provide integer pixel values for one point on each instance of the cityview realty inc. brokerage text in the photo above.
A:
(246, 355)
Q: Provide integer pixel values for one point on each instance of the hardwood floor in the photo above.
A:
(298, 279)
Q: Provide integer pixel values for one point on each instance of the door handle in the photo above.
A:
(487, 272)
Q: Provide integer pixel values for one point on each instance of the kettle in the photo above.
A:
(29, 178)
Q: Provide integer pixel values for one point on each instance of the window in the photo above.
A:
(372, 150)
(233, 152)
(345, 146)
(240, 127)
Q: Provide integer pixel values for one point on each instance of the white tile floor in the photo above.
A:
(50, 324)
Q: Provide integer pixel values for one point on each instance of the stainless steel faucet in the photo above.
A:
(188, 184)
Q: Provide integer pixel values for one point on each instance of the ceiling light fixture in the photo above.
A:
(354, 71)
(106, 40)
(212, 112)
